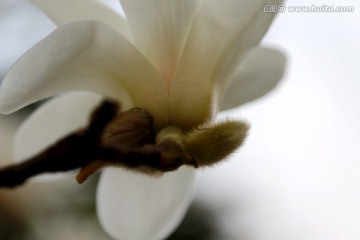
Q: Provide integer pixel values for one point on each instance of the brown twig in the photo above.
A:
(122, 139)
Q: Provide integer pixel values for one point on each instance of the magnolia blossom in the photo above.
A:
(182, 61)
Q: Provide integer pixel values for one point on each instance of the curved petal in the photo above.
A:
(159, 29)
(66, 11)
(221, 33)
(86, 56)
(257, 74)
(8, 127)
(53, 120)
(7, 133)
(133, 206)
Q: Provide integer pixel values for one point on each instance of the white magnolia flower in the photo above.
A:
(176, 59)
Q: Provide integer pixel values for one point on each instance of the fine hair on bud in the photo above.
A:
(213, 142)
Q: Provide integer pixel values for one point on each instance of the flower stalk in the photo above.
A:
(127, 140)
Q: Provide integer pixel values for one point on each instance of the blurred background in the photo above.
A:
(296, 178)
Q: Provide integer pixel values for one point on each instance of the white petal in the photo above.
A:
(66, 11)
(221, 33)
(159, 29)
(52, 121)
(8, 126)
(132, 206)
(257, 74)
(87, 56)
